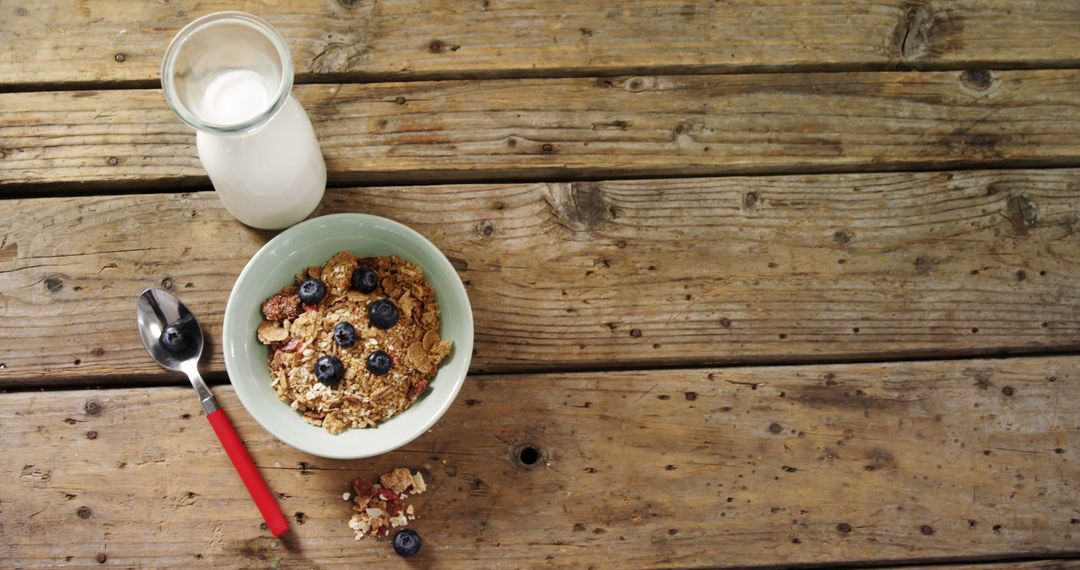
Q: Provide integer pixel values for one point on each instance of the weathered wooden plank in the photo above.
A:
(608, 127)
(782, 465)
(599, 274)
(52, 42)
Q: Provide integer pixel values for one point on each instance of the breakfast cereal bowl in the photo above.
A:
(312, 243)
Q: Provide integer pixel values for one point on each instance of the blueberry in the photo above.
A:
(407, 542)
(383, 314)
(379, 363)
(344, 335)
(312, 291)
(174, 338)
(364, 280)
(329, 370)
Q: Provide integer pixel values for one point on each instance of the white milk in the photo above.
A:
(272, 177)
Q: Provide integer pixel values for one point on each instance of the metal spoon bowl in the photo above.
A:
(158, 309)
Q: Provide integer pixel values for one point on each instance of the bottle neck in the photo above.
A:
(227, 73)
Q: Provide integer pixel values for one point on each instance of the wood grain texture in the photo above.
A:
(783, 465)
(600, 274)
(108, 41)
(564, 128)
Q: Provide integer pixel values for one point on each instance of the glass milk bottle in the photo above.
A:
(229, 75)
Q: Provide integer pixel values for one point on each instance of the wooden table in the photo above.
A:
(757, 282)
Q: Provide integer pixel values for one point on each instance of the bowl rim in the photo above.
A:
(285, 436)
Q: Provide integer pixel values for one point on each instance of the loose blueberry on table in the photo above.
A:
(312, 291)
(379, 363)
(174, 338)
(329, 370)
(407, 542)
(364, 280)
(344, 335)
(383, 314)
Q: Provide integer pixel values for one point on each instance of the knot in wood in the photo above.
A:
(1021, 212)
(579, 206)
(977, 79)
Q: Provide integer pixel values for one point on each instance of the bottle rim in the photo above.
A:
(176, 47)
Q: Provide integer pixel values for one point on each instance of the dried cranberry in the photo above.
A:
(417, 389)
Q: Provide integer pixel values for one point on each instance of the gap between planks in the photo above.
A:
(192, 184)
(167, 379)
(366, 78)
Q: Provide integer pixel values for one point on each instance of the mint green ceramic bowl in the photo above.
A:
(312, 243)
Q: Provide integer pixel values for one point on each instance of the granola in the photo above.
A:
(379, 507)
(354, 375)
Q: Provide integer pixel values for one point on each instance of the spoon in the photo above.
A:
(174, 339)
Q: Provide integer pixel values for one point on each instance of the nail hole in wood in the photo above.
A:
(527, 455)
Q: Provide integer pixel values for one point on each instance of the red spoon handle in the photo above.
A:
(264, 499)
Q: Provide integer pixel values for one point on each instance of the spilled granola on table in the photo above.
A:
(379, 507)
(357, 374)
